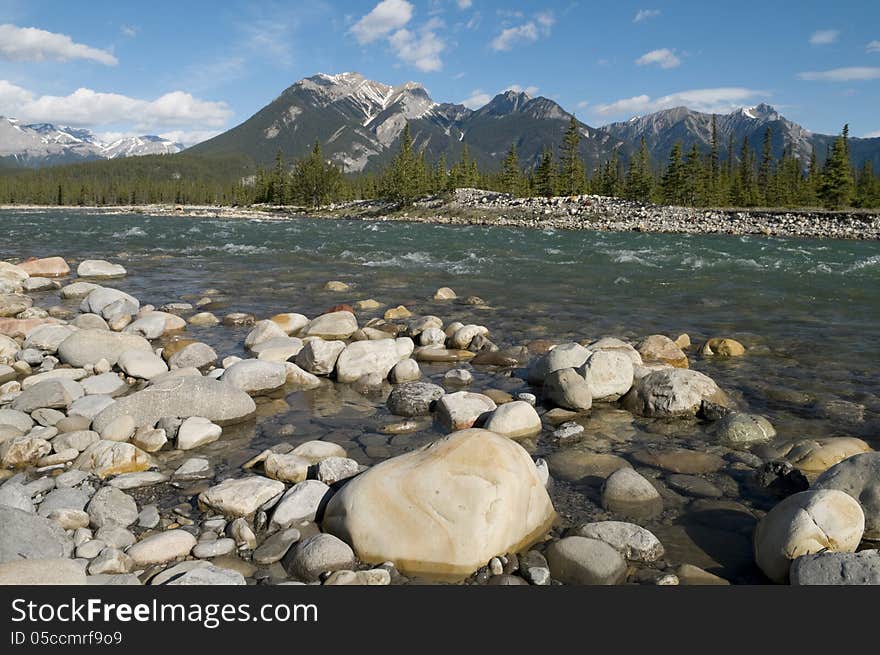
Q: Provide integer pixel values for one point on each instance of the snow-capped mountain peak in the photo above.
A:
(43, 143)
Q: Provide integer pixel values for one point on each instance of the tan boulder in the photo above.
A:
(446, 509)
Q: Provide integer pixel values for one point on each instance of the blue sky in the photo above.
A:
(189, 69)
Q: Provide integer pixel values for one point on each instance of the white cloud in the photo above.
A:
(824, 37)
(717, 100)
(664, 58)
(849, 74)
(128, 30)
(583, 104)
(477, 99)
(873, 46)
(31, 44)
(88, 108)
(645, 14)
(528, 32)
(464, 4)
(516, 88)
(873, 135)
(385, 18)
(421, 48)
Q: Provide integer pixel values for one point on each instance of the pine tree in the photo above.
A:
(765, 170)
(511, 175)
(639, 181)
(545, 175)
(714, 165)
(279, 180)
(672, 182)
(315, 182)
(836, 188)
(572, 176)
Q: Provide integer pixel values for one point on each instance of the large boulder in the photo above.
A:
(371, 357)
(182, 397)
(858, 476)
(741, 430)
(335, 325)
(808, 522)
(25, 535)
(673, 392)
(88, 346)
(446, 509)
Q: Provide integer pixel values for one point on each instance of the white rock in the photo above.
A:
(197, 431)
(515, 420)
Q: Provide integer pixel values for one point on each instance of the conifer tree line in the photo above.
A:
(749, 176)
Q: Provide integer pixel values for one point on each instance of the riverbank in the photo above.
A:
(601, 213)
(249, 401)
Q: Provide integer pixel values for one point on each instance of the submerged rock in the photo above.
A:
(672, 392)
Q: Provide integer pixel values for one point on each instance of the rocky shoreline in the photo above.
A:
(108, 412)
(479, 207)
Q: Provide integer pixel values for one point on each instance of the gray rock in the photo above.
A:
(333, 469)
(319, 357)
(583, 561)
(741, 430)
(567, 355)
(214, 548)
(197, 431)
(99, 268)
(110, 506)
(672, 392)
(107, 384)
(58, 393)
(28, 536)
(630, 540)
(42, 571)
(628, 493)
(567, 389)
(858, 476)
(141, 364)
(88, 346)
(462, 410)
(210, 575)
(255, 376)
(16, 419)
(242, 496)
(63, 498)
(217, 401)
(48, 337)
(304, 501)
(90, 406)
(862, 568)
(414, 398)
(276, 546)
(608, 373)
(100, 298)
(14, 494)
(195, 355)
(317, 554)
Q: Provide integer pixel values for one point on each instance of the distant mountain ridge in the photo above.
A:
(359, 121)
(42, 144)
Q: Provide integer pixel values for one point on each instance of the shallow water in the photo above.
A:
(807, 310)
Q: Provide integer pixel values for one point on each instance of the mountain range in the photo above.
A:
(359, 122)
(43, 144)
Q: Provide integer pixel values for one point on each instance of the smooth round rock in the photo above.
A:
(584, 561)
